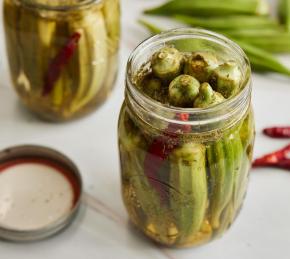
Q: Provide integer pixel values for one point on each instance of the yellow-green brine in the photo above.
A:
(186, 136)
(63, 55)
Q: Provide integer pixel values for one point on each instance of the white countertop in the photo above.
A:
(102, 230)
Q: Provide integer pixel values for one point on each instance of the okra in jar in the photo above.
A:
(62, 54)
(186, 135)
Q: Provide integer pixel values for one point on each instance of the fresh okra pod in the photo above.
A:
(261, 60)
(284, 13)
(231, 22)
(211, 7)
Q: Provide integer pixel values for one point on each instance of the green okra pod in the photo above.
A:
(222, 163)
(218, 182)
(151, 27)
(154, 88)
(239, 160)
(207, 97)
(247, 132)
(261, 60)
(96, 49)
(167, 63)
(30, 47)
(284, 13)
(112, 24)
(241, 183)
(268, 39)
(133, 146)
(211, 7)
(183, 90)
(201, 65)
(11, 16)
(226, 79)
(231, 22)
(188, 199)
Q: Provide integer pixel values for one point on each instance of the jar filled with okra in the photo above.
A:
(62, 54)
(186, 134)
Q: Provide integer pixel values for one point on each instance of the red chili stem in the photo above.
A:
(277, 132)
(59, 62)
(159, 151)
(280, 158)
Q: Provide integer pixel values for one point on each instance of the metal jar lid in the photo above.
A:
(40, 192)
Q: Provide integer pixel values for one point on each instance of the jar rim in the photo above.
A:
(60, 5)
(197, 116)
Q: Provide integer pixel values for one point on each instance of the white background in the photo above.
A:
(102, 230)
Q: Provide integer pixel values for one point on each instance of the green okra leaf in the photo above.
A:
(231, 22)
(211, 7)
(188, 199)
(284, 13)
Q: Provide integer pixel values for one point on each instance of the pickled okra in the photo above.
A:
(180, 189)
(62, 54)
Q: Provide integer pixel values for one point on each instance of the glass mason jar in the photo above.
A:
(185, 171)
(62, 54)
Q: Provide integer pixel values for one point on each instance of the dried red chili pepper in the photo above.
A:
(57, 64)
(277, 132)
(159, 151)
(280, 158)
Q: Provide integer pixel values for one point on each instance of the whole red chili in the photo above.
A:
(277, 132)
(159, 151)
(280, 158)
(58, 63)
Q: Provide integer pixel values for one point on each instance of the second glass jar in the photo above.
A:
(184, 170)
(62, 54)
